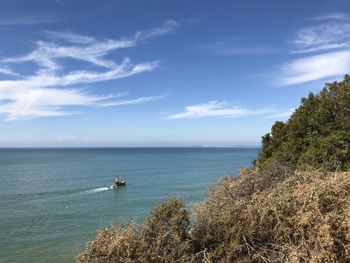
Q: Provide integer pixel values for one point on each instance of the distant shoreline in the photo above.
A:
(132, 147)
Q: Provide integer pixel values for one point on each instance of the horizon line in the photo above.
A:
(125, 147)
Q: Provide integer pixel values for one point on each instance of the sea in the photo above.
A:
(52, 201)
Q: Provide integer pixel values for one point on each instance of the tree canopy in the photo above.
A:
(317, 134)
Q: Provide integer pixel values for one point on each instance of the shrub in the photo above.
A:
(304, 218)
(162, 238)
(114, 244)
(164, 234)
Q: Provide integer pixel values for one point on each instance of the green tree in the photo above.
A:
(317, 134)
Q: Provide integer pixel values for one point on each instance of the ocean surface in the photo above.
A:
(53, 200)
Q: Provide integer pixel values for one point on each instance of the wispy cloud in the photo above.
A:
(323, 50)
(133, 101)
(85, 48)
(219, 109)
(324, 47)
(70, 138)
(8, 71)
(331, 16)
(48, 92)
(167, 27)
(328, 35)
(49, 102)
(69, 37)
(281, 115)
(315, 67)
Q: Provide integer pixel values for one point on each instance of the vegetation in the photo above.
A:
(272, 212)
(304, 218)
(316, 135)
(162, 238)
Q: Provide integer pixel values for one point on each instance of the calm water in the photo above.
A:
(53, 200)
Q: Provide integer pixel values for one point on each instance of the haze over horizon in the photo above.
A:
(162, 73)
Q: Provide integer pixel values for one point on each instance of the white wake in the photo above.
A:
(97, 190)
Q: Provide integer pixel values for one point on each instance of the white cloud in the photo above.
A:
(85, 48)
(8, 71)
(47, 92)
(69, 37)
(281, 115)
(133, 101)
(315, 67)
(63, 138)
(43, 102)
(328, 35)
(49, 79)
(218, 109)
(70, 138)
(167, 27)
(47, 53)
(322, 49)
(331, 16)
(49, 102)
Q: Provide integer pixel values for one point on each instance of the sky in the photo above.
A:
(134, 73)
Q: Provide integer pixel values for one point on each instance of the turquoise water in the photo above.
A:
(53, 200)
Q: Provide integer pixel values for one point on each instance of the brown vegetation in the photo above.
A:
(305, 218)
(162, 238)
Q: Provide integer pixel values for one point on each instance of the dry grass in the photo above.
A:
(270, 215)
(113, 244)
(304, 218)
(162, 238)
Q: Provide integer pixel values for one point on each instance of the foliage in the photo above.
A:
(317, 134)
(114, 244)
(164, 234)
(303, 217)
(162, 238)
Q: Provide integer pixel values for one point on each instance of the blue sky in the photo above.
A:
(162, 73)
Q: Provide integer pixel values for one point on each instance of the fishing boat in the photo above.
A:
(117, 183)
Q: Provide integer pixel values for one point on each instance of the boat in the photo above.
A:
(117, 183)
